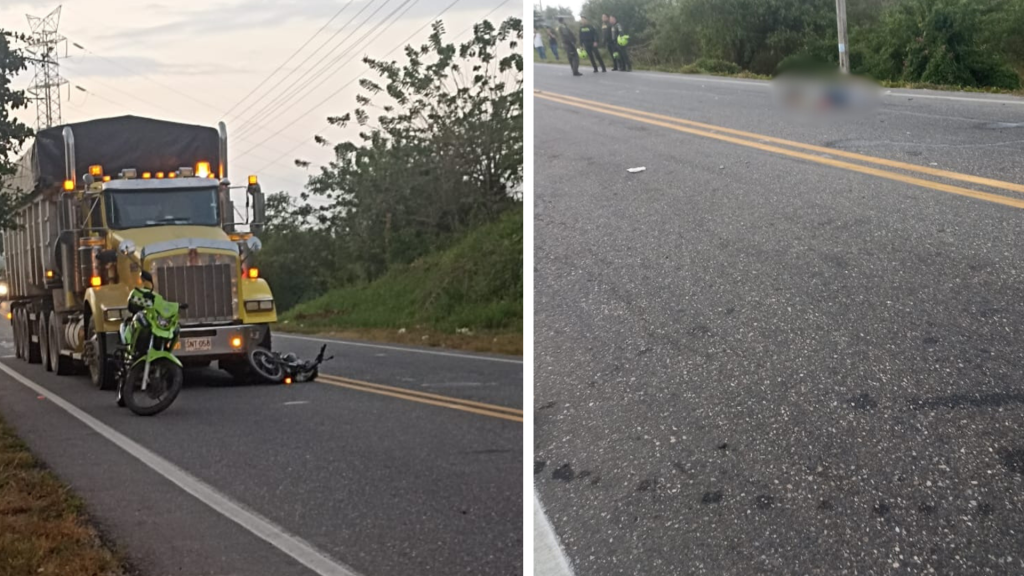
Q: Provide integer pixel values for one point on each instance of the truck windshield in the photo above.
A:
(138, 209)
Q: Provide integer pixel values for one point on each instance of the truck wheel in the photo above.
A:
(43, 329)
(62, 365)
(31, 347)
(101, 373)
(16, 325)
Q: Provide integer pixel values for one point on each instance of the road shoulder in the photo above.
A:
(158, 527)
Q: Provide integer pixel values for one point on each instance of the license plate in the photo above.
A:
(198, 344)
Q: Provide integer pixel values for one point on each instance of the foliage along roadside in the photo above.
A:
(439, 153)
(968, 44)
(468, 296)
(13, 133)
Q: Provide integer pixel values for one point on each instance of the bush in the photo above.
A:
(936, 42)
(711, 66)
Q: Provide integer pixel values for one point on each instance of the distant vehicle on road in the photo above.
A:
(109, 199)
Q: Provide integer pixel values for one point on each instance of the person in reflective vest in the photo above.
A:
(588, 39)
(621, 39)
(569, 43)
(608, 41)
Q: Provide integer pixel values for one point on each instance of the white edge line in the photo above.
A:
(400, 349)
(979, 100)
(549, 557)
(291, 545)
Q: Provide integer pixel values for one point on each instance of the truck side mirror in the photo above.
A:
(259, 208)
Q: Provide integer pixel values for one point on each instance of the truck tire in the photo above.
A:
(32, 347)
(16, 324)
(62, 365)
(43, 329)
(101, 373)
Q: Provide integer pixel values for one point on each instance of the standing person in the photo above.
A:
(569, 43)
(538, 43)
(553, 42)
(588, 39)
(608, 41)
(617, 32)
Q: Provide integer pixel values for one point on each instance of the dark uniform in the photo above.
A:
(609, 42)
(569, 43)
(624, 62)
(588, 38)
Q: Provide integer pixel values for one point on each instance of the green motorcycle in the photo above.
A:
(149, 376)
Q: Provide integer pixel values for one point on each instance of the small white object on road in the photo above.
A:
(293, 403)
(634, 170)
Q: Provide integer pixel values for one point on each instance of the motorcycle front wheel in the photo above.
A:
(266, 364)
(163, 386)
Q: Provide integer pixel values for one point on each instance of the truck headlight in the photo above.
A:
(116, 314)
(259, 305)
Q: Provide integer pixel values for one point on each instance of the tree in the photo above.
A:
(13, 133)
(444, 153)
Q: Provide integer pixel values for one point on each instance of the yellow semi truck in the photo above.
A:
(115, 196)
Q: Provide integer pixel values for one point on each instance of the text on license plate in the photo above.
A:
(196, 344)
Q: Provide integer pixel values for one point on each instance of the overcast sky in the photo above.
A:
(193, 61)
(574, 5)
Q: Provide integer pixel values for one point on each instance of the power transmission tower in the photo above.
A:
(44, 50)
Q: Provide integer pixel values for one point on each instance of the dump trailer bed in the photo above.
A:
(119, 143)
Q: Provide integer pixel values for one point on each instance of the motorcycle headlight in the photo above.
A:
(163, 323)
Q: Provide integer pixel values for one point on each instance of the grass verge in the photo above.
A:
(510, 343)
(697, 69)
(43, 529)
(469, 296)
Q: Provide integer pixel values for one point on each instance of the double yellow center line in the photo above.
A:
(760, 142)
(492, 410)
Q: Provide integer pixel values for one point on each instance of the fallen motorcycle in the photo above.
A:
(286, 368)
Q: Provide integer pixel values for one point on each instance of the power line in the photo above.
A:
(400, 45)
(144, 75)
(151, 79)
(122, 106)
(331, 95)
(299, 86)
(278, 69)
(313, 53)
(148, 103)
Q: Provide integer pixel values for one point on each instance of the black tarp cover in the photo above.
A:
(145, 144)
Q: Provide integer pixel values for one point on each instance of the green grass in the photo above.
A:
(471, 292)
(43, 529)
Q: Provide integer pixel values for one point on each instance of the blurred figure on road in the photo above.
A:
(538, 43)
(553, 42)
(620, 47)
(569, 43)
(588, 38)
(609, 42)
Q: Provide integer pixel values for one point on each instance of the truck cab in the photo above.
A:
(135, 194)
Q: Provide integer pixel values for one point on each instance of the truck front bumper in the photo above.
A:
(214, 342)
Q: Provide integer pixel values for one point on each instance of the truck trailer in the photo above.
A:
(115, 196)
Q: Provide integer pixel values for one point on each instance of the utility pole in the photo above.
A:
(844, 48)
(44, 45)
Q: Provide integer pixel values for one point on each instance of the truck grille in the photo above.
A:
(208, 288)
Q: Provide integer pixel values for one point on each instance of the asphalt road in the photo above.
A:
(382, 483)
(750, 362)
